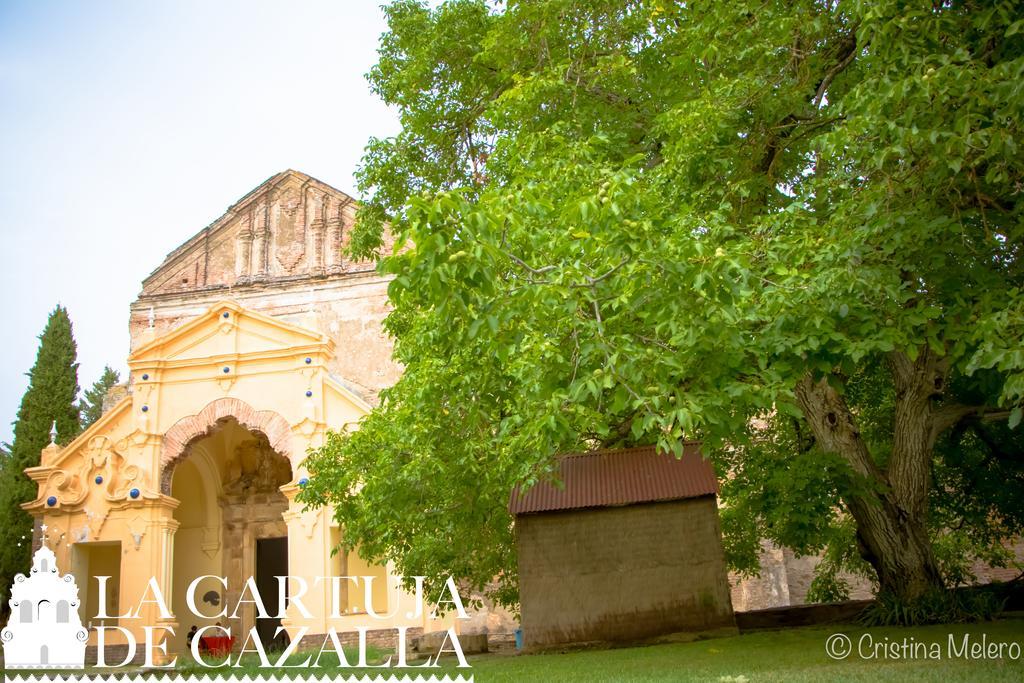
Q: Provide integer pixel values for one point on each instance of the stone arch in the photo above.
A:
(210, 482)
(182, 433)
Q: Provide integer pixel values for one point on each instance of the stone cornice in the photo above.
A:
(278, 284)
(201, 298)
(315, 342)
(237, 360)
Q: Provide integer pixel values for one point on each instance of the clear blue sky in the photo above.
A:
(125, 127)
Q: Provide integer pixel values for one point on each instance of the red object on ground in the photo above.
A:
(217, 645)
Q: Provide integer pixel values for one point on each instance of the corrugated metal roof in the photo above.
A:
(619, 477)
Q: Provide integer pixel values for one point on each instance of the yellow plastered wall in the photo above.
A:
(110, 484)
(197, 545)
(357, 566)
(90, 560)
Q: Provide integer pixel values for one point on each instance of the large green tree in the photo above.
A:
(50, 397)
(787, 229)
(91, 406)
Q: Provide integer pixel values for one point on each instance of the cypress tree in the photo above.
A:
(92, 403)
(50, 397)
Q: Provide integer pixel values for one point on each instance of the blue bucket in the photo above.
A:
(519, 639)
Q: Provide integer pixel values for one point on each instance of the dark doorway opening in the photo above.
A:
(271, 562)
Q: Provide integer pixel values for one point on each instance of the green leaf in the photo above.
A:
(743, 232)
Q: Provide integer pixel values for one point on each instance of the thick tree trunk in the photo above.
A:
(891, 508)
(895, 544)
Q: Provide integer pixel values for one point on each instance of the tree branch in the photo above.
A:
(948, 416)
(524, 264)
(837, 69)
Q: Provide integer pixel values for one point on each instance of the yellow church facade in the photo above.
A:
(249, 343)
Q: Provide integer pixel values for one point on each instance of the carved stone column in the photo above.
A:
(159, 548)
(164, 529)
(314, 215)
(309, 556)
(243, 257)
(326, 224)
(335, 231)
(318, 247)
(261, 239)
(270, 230)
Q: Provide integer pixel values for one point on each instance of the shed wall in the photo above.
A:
(622, 573)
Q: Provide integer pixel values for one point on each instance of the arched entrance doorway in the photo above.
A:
(227, 481)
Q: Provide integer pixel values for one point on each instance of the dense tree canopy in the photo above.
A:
(791, 230)
(50, 398)
(91, 406)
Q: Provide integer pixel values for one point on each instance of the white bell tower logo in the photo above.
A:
(44, 631)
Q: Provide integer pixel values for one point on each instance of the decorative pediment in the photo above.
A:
(86, 446)
(225, 334)
(292, 225)
(94, 467)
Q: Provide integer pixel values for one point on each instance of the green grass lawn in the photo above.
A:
(790, 655)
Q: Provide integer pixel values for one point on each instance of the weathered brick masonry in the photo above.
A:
(278, 251)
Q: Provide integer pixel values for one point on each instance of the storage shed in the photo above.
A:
(629, 547)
